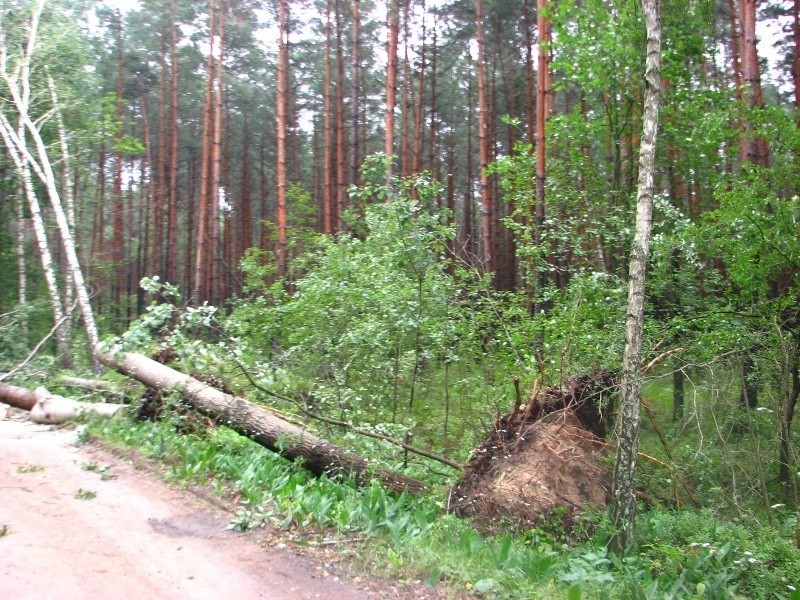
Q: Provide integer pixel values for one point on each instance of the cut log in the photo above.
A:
(51, 409)
(17, 397)
(259, 424)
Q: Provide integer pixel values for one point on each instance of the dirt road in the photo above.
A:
(73, 533)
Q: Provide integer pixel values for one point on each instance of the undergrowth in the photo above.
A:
(681, 554)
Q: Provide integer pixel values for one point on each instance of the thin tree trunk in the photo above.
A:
(623, 497)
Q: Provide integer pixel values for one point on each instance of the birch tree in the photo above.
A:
(18, 85)
(623, 499)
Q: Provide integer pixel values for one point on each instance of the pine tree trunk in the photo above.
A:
(392, 17)
(355, 91)
(341, 176)
(484, 142)
(259, 424)
(623, 498)
(282, 97)
(201, 271)
(171, 269)
(328, 209)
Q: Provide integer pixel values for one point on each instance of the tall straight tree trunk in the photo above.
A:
(484, 142)
(405, 153)
(328, 210)
(543, 93)
(282, 98)
(468, 226)
(433, 135)
(160, 191)
(171, 269)
(341, 175)
(796, 58)
(214, 288)
(623, 498)
(201, 271)
(419, 107)
(755, 149)
(392, 17)
(117, 244)
(530, 81)
(355, 91)
(245, 222)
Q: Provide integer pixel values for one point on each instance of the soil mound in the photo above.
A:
(540, 456)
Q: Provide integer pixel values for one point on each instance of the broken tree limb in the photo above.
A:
(352, 428)
(260, 425)
(16, 396)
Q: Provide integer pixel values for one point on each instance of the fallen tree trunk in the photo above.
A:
(17, 397)
(51, 409)
(257, 423)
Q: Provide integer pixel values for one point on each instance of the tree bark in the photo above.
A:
(393, 18)
(259, 424)
(623, 498)
(17, 397)
(484, 142)
(280, 124)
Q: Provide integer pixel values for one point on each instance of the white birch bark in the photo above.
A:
(22, 275)
(22, 168)
(623, 501)
(18, 85)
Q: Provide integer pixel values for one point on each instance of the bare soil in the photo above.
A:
(119, 532)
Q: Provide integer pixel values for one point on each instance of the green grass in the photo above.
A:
(682, 553)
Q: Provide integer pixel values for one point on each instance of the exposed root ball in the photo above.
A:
(540, 456)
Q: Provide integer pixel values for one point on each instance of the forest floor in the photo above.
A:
(81, 522)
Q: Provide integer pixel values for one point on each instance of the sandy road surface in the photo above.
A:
(136, 538)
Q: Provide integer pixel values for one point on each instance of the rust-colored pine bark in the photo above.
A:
(282, 101)
(392, 17)
(484, 142)
(327, 142)
(755, 149)
(171, 268)
(355, 90)
(117, 245)
(341, 151)
(202, 255)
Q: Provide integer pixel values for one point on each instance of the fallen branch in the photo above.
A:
(260, 425)
(352, 428)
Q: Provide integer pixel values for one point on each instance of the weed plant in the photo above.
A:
(682, 554)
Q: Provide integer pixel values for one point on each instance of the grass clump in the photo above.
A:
(681, 554)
